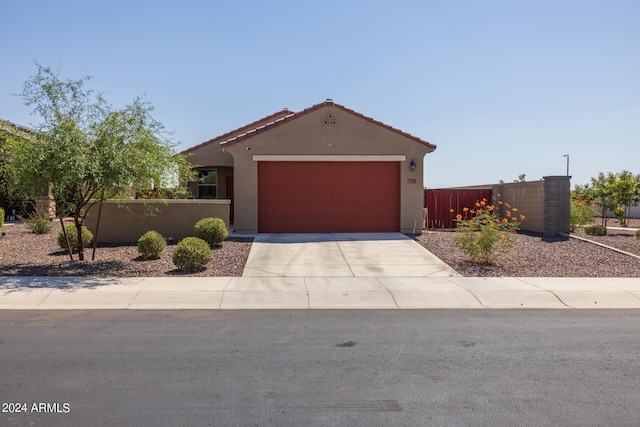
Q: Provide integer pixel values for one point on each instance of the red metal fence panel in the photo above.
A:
(439, 202)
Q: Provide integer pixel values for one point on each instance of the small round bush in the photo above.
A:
(212, 230)
(595, 230)
(1, 218)
(192, 254)
(87, 236)
(151, 244)
(638, 234)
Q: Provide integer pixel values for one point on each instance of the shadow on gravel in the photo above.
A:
(66, 268)
(13, 284)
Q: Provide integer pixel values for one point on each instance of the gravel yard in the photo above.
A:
(533, 257)
(26, 254)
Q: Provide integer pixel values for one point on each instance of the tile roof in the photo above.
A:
(17, 130)
(270, 118)
(287, 115)
(262, 125)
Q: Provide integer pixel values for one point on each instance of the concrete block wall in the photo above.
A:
(557, 205)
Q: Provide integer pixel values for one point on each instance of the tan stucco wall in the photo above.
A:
(223, 173)
(528, 198)
(210, 155)
(126, 221)
(308, 135)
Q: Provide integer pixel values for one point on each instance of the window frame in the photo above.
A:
(202, 174)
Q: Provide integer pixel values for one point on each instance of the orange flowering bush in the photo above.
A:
(483, 234)
(151, 194)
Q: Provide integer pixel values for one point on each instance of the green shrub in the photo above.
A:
(595, 230)
(38, 222)
(151, 244)
(638, 234)
(582, 212)
(40, 226)
(1, 218)
(192, 254)
(87, 236)
(211, 230)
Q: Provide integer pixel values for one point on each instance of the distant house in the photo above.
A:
(324, 169)
(8, 129)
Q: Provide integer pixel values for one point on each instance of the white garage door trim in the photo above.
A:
(327, 158)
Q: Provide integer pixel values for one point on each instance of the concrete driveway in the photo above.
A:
(342, 255)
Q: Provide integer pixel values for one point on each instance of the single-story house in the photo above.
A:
(324, 169)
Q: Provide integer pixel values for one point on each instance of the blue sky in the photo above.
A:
(503, 88)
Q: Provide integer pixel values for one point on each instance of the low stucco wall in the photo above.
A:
(125, 221)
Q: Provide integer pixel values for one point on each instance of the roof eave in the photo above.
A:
(329, 102)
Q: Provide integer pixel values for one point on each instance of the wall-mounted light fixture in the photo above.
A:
(412, 165)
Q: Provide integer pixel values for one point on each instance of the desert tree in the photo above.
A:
(614, 192)
(85, 150)
(626, 192)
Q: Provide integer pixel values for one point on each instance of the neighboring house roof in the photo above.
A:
(280, 118)
(15, 129)
(268, 119)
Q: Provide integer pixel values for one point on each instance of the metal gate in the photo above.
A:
(439, 203)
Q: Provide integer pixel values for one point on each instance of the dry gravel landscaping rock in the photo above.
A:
(625, 240)
(26, 254)
(534, 257)
(23, 253)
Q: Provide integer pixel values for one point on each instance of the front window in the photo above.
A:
(208, 184)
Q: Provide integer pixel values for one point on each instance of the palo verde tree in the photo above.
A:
(86, 151)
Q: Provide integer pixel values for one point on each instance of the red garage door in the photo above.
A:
(323, 197)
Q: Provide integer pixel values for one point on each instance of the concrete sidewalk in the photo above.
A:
(48, 293)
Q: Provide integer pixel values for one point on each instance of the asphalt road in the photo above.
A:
(364, 368)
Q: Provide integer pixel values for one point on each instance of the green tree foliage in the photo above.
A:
(613, 192)
(627, 193)
(8, 131)
(85, 150)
